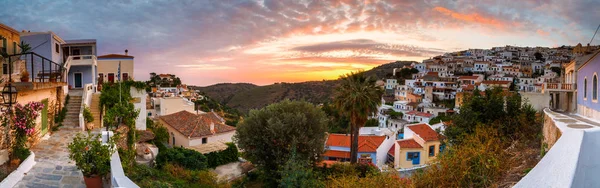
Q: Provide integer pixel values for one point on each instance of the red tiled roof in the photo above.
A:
(432, 73)
(468, 77)
(337, 154)
(409, 143)
(417, 113)
(425, 132)
(489, 82)
(392, 150)
(113, 56)
(365, 143)
(192, 125)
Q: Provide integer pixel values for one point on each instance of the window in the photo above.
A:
(149, 113)
(585, 88)
(4, 46)
(412, 155)
(204, 140)
(595, 87)
(5, 68)
(14, 47)
(56, 47)
(442, 147)
(125, 76)
(432, 151)
(173, 136)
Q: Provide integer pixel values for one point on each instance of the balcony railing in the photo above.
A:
(40, 69)
(559, 87)
(75, 60)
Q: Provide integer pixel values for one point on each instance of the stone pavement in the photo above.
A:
(579, 118)
(54, 169)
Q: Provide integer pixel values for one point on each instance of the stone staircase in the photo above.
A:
(73, 108)
(95, 108)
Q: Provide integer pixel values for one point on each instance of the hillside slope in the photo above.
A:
(243, 96)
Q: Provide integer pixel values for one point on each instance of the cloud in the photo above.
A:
(542, 33)
(366, 46)
(475, 18)
(205, 67)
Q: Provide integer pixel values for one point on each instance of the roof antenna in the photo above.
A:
(595, 34)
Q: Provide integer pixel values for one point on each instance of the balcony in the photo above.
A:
(78, 60)
(42, 72)
(559, 87)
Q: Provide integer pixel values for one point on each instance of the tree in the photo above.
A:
(298, 173)
(267, 136)
(538, 56)
(357, 97)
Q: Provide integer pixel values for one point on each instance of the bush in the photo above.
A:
(63, 112)
(187, 158)
(90, 155)
(87, 115)
(223, 157)
(161, 135)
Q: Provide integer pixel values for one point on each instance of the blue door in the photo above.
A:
(416, 159)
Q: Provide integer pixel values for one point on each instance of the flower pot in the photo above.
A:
(25, 79)
(94, 181)
(89, 126)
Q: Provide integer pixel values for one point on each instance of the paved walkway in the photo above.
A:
(54, 169)
(579, 118)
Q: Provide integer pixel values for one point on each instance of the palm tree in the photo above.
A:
(357, 97)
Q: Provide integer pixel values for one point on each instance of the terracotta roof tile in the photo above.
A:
(192, 125)
(496, 82)
(365, 143)
(468, 77)
(392, 150)
(338, 154)
(425, 132)
(409, 143)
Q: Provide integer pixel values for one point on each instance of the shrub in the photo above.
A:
(223, 157)
(187, 158)
(161, 134)
(90, 155)
(87, 115)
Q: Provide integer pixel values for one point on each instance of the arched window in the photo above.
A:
(585, 88)
(595, 87)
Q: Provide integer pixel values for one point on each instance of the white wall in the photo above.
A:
(140, 122)
(224, 137)
(539, 101)
(383, 149)
(172, 105)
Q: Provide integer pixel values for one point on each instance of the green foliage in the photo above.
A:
(372, 123)
(281, 126)
(557, 70)
(438, 119)
(298, 173)
(222, 157)
(90, 155)
(515, 121)
(395, 115)
(357, 97)
(20, 153)
(337, 122)
(479, 162)
(161, 134)
(63, 112)
(172, 176)
(231, 116)
(87, 115)
(187, 158)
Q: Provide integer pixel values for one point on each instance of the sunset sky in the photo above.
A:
(267, 41)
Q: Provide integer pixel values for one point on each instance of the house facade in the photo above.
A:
(371, 148)
(187, 129)
(9, 40)
(108, 66)
(587, 87)
(46, 44)
(420, 145)
(81, 62)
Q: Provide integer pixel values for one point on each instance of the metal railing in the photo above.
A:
(40, 69)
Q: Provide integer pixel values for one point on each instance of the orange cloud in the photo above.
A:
(542, 33)
(472, 18)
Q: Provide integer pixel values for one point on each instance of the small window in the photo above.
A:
(585, 88)
(595, 88)
(204, 140)
(412, 155)
(14, 47)
(432, 151)
(57, 47)
(149, 113)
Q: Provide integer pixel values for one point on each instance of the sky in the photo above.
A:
(205, 42)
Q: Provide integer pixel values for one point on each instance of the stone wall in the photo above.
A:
(550, 131)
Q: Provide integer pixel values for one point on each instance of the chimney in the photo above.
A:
(212, 127)
(126, 51)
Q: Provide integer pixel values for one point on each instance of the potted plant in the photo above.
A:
(91, 157)
(53, 77)
(88, 117)
(25, 76)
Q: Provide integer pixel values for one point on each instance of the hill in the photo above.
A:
(223, 92)
(244, 96)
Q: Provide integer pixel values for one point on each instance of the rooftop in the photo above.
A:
(115, 56)
(193, 126)
(365, 143)
(425, 132)
(409, 143)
